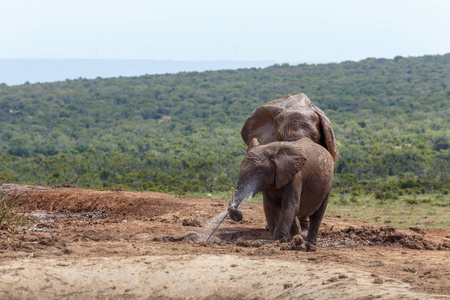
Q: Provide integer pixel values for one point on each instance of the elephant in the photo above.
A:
(289, 119)
(295, 179)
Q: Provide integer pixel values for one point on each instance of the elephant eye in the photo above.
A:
(258, 171)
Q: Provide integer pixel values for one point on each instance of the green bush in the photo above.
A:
(180, 132)
(412, 201)
(356, 192)
(378, 194)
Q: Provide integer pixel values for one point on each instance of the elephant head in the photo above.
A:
(289, 119)
(265, 166)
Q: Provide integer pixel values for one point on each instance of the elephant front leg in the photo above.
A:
(271, 210)
(285, 223)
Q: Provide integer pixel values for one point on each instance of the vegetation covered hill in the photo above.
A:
(181, 133)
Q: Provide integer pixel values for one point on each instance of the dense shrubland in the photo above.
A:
(181, 133)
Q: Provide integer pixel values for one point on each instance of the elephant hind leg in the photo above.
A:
(314, 223)
(295, 228)
(304, 225)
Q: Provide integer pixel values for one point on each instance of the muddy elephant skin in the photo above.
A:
(295, 179)
(289, 119)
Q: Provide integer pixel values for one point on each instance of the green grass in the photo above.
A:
(424, 211)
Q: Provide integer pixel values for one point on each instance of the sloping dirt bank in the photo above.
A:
(93, 244)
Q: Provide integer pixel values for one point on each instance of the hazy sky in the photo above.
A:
(275, 30)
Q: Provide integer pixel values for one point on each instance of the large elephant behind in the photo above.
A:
(289, 119)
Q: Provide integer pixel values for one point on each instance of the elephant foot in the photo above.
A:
(310, 247)
(283, 240)
(280, 236)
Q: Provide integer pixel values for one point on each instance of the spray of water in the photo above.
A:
(213, 223)
(203, 235)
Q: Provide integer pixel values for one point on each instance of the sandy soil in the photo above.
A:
(94, 244)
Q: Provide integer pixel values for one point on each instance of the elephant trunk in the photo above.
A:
(240, 194)
(235, 214)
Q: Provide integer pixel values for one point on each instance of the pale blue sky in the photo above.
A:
(275, 30)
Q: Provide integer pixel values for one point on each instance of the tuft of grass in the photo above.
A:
(411, 201)
(8, 214)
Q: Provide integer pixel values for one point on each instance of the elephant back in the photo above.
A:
(290, 118)
(293, 102)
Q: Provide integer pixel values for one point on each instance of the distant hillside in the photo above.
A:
(20, 71)
(180, 132)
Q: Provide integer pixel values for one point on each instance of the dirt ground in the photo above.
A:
(95, 244)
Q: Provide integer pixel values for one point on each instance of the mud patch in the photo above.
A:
(191, 222)
(23, 241)
(297, 243)
(144, 232)
(249, 243)
(44, 220)
(190, 237)
(381, 236)
(350, 236)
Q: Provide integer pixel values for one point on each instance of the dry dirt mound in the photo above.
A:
(368, 235)
(68, 199)
(132, 244)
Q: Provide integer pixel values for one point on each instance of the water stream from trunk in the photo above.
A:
(212, 224)
(203, 235)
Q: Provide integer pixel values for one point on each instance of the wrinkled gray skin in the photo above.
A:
(295, 179)
(289, 119)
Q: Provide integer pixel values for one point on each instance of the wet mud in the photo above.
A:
(80, 228)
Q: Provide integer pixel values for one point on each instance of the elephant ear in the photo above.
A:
(289, 160)
(328, 134)
(260, 124)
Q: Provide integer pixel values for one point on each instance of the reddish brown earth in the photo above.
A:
(94, 244)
